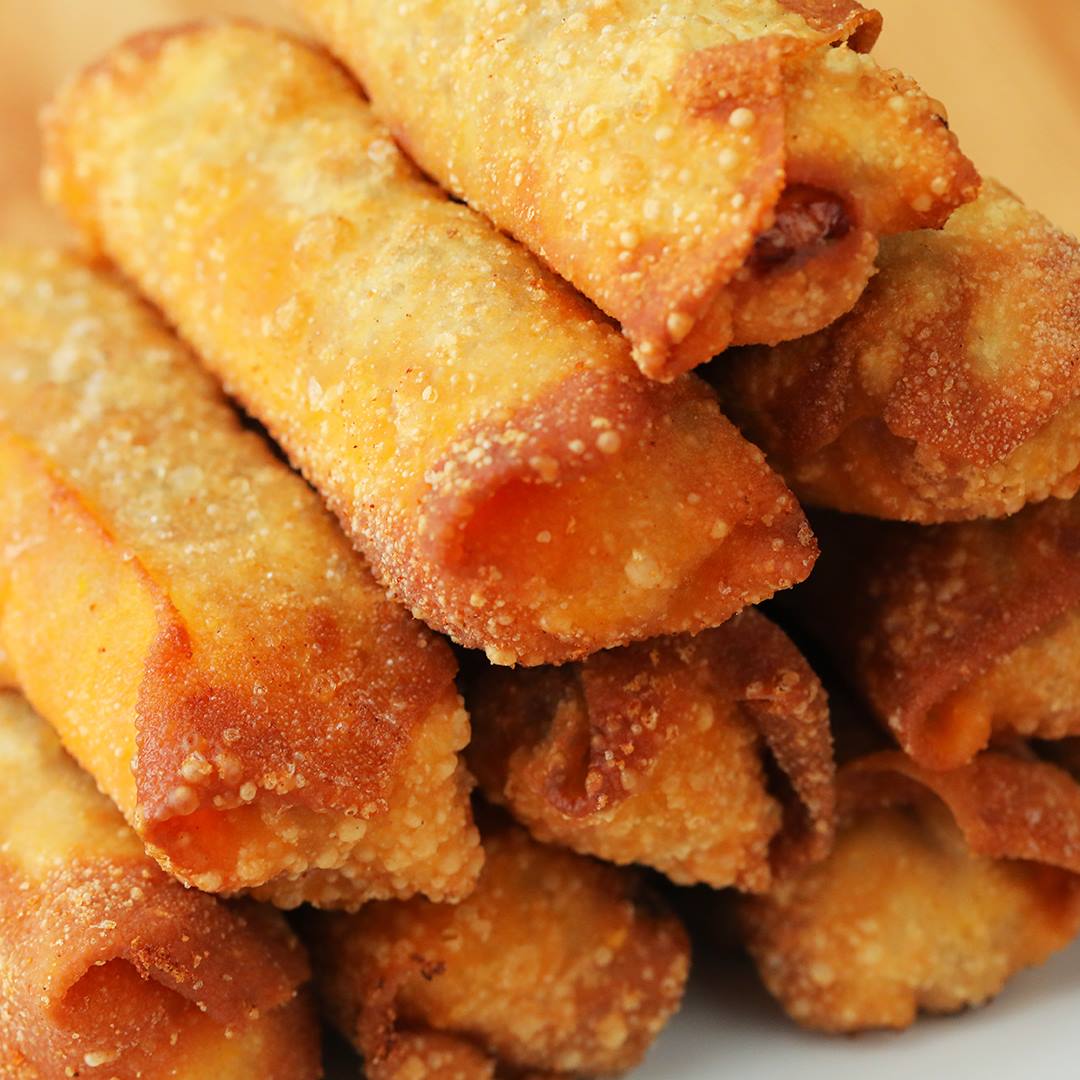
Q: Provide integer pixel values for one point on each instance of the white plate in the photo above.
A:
(729, 1028)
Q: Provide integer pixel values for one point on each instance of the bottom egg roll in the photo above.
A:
(955, 635)
(653, 753)
(556, 964)
(940, 888)
(110, 968)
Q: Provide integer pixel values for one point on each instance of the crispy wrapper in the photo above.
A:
(940, 888)
(653, 753)
(183, 610)
(108, 966)
(556, 964)
(952, 391)
(479, 429)
(709, 173)
(957, 634)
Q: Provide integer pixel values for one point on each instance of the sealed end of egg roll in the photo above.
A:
(708, 173)
(957, 635)
(657, 754)
(941, 887)
(108, 966)
(556, 964)
(479, 429)
(951, 392)
(181, 608)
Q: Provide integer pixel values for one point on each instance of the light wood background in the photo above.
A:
(1007, 70)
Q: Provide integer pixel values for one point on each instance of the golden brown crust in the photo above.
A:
(426, 1055)
(1006, 807)
(556, 963)
(940, 888)
(714, 100)
(950, 392)
(104, 959)
(840, 20)
(653, 753)
(479, 429)
(212, 649)
(923, 619)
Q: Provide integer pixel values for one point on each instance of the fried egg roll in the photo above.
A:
(951, 392)
(556, 964)
(956, 635)
(180, 607)
(708, 172)
(478, 428)
(109, 967)
(654, 753)
(941, 887)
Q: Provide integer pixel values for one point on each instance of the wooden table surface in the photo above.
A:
(1007, 70)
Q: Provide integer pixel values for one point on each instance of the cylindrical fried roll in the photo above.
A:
(709, 172)
(182, 609)
(653, 753)
(109, 967)
(940, 888)
(955, 634)
(556, 964)
(952, 391)
(479, 429)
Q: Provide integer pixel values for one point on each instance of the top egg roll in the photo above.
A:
(110, 968)
(951, 392)
(480, 430)
(180, 607)
(708, 172)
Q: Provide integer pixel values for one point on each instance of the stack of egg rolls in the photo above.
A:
(251, 668)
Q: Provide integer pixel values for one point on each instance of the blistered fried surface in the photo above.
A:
(555, 964)
(924, 904)
(950, 392)
(654, 753)
(106, 961)
(426, 1055)
(479, 429)
(957, 633)
(642, 149)
(185, 613)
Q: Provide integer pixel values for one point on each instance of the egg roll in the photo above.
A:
(941, 887)
(556, 964)
(479, 429)
(181, 608)
(951, 392)
(656, 753)
(108, 966)
(708, 172)
(955, 635)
